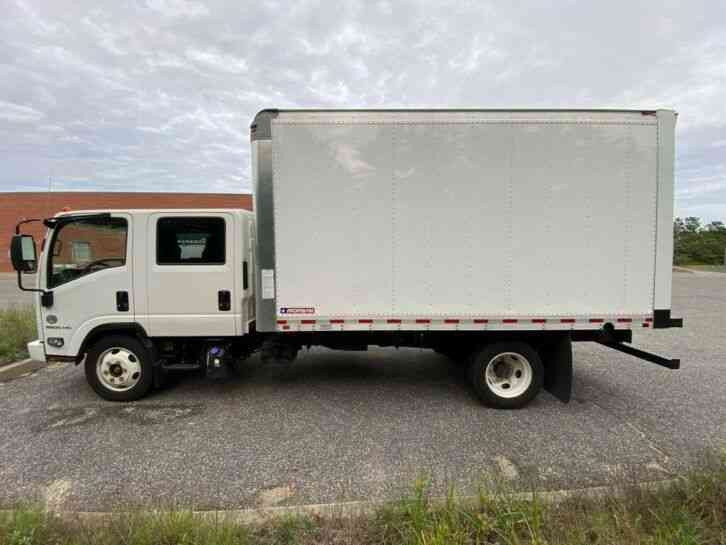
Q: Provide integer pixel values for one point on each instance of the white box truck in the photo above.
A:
(495, 237)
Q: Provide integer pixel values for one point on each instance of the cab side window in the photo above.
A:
(190, 241)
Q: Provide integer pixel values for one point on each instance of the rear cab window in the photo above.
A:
(190, 241)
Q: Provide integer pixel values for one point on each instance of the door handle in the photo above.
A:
(122, 301)
(224, 300)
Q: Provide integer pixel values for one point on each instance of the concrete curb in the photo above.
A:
(355, 509)
(19, 369)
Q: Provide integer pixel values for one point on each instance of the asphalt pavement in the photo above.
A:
(340, 426)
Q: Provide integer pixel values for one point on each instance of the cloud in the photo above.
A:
(15, 113)
(178, 8)
(214, 60)
(158, 95)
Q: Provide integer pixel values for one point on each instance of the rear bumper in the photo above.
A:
(662, 319)
(36, 349)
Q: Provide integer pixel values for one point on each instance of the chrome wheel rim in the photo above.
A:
(118, 369)
(508, 374)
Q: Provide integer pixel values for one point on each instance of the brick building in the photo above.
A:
(17, 206)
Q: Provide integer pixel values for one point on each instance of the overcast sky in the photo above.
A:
(158, 95)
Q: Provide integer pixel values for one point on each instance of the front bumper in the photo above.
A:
(36, 349)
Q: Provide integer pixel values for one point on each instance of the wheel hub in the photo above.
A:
(118, 369)
(508, 374)
(502, 370)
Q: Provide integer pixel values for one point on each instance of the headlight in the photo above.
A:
(55, 342)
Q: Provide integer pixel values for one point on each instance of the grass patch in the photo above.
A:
(692, 511)
(17, 329)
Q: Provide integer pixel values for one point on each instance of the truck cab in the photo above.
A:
(136, 275)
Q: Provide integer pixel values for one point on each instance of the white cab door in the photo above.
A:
(190, 286)
(89, 264)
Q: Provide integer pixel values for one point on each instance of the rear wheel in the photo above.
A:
(119, 368)
(506, 375)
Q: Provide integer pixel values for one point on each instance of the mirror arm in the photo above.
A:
(46, 299)
(23, 222)
(23, 288)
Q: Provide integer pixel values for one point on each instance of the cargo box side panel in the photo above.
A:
(333, 218)
(451, 242)
(415, 216)
(582, 215)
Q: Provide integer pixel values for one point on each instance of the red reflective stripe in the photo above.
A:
(337, 321)
(393, 321)
(286, 327)
(538, 320)
(626, 320)
(649, 319)
(281, 321)
(646, 324)
(423, 321)
(307, 321)
(451, 321)
(509, 321)
(567, 320)
(596, 320)
(365, 321)
(481, 321)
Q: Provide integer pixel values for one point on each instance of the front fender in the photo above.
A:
(76, 342)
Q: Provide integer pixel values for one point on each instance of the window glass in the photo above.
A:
(85, 246)
(190, 241)
(81, 251)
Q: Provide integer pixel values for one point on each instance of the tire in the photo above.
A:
(506, 375)
(119, 368)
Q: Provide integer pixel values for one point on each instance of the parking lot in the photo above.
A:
(342, 426)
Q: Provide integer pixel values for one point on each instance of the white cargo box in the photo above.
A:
(380, 220)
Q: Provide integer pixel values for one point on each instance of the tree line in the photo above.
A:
(698, 244)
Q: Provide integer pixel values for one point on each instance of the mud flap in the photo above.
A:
(557, 359)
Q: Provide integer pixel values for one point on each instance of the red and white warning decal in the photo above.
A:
(297, 310)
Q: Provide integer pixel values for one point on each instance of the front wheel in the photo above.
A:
(119, 368)
(506, 375)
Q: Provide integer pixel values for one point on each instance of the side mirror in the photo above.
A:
(22, 254)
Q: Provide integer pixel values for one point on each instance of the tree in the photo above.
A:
(694, 244)
(693, 225)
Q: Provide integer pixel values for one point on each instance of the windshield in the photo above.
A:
(84, 246)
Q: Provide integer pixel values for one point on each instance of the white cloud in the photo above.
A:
(15, 113)
(215, 60)
(38, 25)
(178, 8)
(470, 59)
